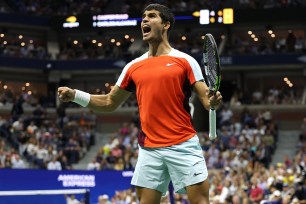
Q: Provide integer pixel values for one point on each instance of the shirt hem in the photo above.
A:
(170, 144)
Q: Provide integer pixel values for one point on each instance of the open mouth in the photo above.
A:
(146, 29)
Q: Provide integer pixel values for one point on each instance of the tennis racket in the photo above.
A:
(212, 77)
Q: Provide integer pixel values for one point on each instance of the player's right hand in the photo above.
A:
(65, 94)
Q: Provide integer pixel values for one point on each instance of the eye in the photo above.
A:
(152, 15)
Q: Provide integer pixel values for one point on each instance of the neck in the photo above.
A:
(158, 49)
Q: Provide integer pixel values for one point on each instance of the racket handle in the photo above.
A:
(212, 124)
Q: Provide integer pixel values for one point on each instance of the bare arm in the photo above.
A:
(97, 103)
(108, 102)
(207, 101)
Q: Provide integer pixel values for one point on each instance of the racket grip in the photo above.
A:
(212, 124)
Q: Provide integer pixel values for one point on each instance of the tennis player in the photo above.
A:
(163, 79)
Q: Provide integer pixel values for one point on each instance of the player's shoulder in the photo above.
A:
(135, 61)
(183, 55)
(178, 53)
(138, 59)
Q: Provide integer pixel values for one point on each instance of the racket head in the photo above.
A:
(211, 63)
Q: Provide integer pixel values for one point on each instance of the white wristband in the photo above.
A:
(82, 98)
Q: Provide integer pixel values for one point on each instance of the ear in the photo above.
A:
(167, 25)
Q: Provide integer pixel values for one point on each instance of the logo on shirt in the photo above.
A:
(170, 64)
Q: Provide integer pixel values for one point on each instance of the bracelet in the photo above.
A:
(82, 98)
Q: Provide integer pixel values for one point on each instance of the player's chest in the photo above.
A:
(155, 70)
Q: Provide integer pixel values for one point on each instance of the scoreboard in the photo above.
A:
(202, 17)
(224, 16)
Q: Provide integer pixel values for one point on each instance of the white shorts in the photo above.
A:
(183, 164)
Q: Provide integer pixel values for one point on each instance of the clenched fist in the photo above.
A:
(215, 100)
(65, 94)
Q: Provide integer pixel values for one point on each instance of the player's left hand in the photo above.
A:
(215, 100)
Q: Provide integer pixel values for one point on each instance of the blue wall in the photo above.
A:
(98, 182)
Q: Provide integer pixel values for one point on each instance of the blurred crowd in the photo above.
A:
(272, 96)
(111, 48)
(239, 161)
(76, 7)
(88, 48)
(57, 8)
(189, 42)
(19, 46)
(44, 141)
(11, 97)
(265, 44)
(108, 47)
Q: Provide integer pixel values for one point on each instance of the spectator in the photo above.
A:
(300, 191)
(41, 156)
(39, 115)
(119, 164)
(257, 97)
(32, 128)
(17, 162)
(4, 128)
(64, 162)
(267, 116)
(93, 165)
(274, 198)
(302, 137)
(226, 115)
(247, 118)
(225, 191)
(71, 199)
(256, 193)
(61, 113)
(17, 109)
(290, 41)
(54, 164)
(103, 199)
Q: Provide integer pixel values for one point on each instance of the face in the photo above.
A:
(152, 26)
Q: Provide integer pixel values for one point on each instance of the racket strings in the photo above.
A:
(211, 63)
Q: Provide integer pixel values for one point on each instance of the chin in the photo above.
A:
(146, 39)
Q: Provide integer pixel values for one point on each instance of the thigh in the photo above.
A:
(186, 164)
(148, 196)
(150, 171)
(198, 193)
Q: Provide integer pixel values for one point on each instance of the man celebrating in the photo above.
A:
(163, 79)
